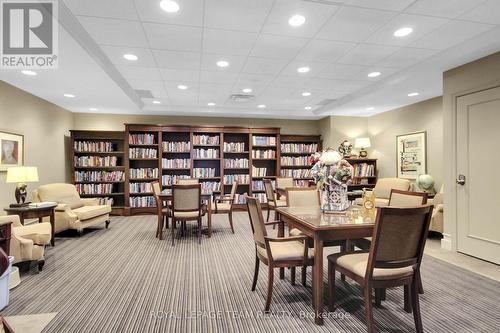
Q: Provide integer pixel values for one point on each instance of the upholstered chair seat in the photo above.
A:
(286, 251)
(39, 233)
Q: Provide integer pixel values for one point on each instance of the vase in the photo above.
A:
(334, 198)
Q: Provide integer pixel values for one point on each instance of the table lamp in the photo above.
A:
(21, 176)
(362, 144)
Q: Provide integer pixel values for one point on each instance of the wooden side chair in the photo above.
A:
(284, 182)
(390, 262)
(224, 204)
(186, 206)
(274, 252)
(162, 210)
(187, 181)
(272, 201)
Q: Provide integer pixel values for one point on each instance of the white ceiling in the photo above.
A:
(341, 42)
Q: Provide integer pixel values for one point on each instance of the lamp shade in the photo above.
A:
(23, 174)
(362, 143)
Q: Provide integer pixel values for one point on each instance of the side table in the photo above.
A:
(27, 212)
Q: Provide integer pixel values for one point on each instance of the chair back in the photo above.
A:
(186, 198)
(384, 186)
(400, 198)
(302, 197)
(188, 181)
(256, 221)
(284, 182)
(233, 189)
(388, 250)
(156, 191)
(268, 188)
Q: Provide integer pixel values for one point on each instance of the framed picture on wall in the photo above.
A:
(411, 156)
(11, 150)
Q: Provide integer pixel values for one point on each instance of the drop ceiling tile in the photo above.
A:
(255, 65)
(354, 24)
(179, 75)
(406, 57)
(315, 68)
(316, 15)
(324, 50)
(450, 34)
(209, 62)
(242, 15)
(99, 8)
(228, 42)
(115, 32)
(218, 77)
(190, 13)
(115, 54)
(278, 47)
(177, 60)
(254, 80)
(385, 72)
(488, 12)
(140, 73)
(422, 25)
(177, 96)
(448, 8)
(340, 71)
(285, 82)
(173, 37)
(395, 5)
(367, 54)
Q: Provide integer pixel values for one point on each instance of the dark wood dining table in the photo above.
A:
(320, 226)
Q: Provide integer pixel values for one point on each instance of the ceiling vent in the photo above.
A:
(144, 93)
(327, 2)
(241, 98)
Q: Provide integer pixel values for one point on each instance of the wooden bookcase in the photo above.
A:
(294, 153)
(362, 177)
(100, 178)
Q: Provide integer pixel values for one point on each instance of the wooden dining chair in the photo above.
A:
(187, 181)
(274, 252)
(186, 206)
(284, 182)
(225, 204)
(272, 201)
(162, 210)
(390, 262)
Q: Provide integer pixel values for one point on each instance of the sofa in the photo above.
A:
(382, 190)
(72, 212)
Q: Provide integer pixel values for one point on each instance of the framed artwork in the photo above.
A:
(11, 150)
(411, 156)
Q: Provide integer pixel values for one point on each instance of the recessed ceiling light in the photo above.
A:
(303, 69)
(247, 90)
(211, 104)
(130, 57)
(222, 63)
(182, 87)
(413, 94)
(296, 20)
(261, 106)
(29, 73)
(403, 32)
(169, 6)
(69, 95)
(156, 102)
(370, 108)
(308, 108)
(374, 74)
(93, 109)
(306, 93)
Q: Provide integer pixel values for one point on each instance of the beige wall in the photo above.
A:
(113, 122)
(45, 127)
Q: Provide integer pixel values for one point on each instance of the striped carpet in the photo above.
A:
(125, 280)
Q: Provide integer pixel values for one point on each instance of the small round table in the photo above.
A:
(27, 212)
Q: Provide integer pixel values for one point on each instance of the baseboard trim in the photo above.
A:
(446, 242)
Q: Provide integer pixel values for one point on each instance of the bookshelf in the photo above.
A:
(98, 166)
(236, 162)
(294, 154)
(364, 175)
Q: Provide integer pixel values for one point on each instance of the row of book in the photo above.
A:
(141, 139)
(176, 163)
(257, 185)
(206, 140)
(94, 188)
(234, 147)
(205, 153)
(142, 153)
(141, 188)
(176, 147)
(99, 176)
(269, 153)
(240, 178)
(203, 172)
(209, 187)
(364, 170)
(168, 180)
(236, 163)
(240, 199)
(261, 197)
(264, 140)
(144, 173)
(298, 173)
(138, 202)
(95, 161)
(299, 160)
(259, 172)
(299, 148)
(93, 146)
(106, 201)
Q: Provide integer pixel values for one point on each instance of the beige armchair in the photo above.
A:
(437, 214)
(72, 212)
(27, 242)
(382, 190)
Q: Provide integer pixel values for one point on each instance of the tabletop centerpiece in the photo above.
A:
(332, 174)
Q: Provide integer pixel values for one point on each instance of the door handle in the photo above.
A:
(461, 180)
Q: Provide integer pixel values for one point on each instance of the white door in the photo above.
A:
(478, 160)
